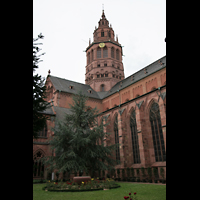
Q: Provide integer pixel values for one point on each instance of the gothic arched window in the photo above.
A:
(112, 52)
(157, 134)
(38, 166)
(117, 139)
(134, 137)
(98, 52)
(105, 52)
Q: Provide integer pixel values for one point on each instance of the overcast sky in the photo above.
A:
(68, 25)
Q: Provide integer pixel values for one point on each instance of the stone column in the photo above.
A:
(121, 139)
(140, 135)
(163, 119)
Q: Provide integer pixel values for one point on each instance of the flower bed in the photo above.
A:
(70, 186)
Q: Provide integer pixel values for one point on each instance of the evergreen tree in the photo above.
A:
(39, 89)
(78, 141)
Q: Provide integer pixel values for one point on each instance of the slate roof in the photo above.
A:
(64, 84)
(150, 69)
(48, 111)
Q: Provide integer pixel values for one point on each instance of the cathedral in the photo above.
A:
(135, 106)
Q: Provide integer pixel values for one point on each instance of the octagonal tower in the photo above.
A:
(104, 58)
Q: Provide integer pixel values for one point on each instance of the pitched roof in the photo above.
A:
(149, 69)
(64, 84)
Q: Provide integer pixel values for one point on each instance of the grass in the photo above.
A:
(144, 192)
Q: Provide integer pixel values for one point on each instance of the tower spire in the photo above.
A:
(103, 15)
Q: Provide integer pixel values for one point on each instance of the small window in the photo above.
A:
(71, 87)
(113, 75)
(102, 34)
(98, 75)
(98, 65)
(109, 34)
(102, 88)
(106, 75)
(90, 91)
(105, 64)
(102, 75)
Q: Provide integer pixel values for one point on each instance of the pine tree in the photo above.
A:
(78, 141)
(39, 89)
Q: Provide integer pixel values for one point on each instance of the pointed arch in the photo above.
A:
(157, 134)
(153, 100)
(38, 166)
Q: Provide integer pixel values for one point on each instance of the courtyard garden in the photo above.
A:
(139, 191)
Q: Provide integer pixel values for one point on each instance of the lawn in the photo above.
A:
(144, 192)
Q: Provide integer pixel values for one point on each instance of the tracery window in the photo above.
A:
(134, 137)
(98, 52)
(117, 139)
(157, 134)
(105, 52)
(38, 166)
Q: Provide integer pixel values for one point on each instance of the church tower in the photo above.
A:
(104, 58)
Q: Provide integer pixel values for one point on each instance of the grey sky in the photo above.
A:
(68, 25)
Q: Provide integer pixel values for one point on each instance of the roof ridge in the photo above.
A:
(68, 80)
(144, 67)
